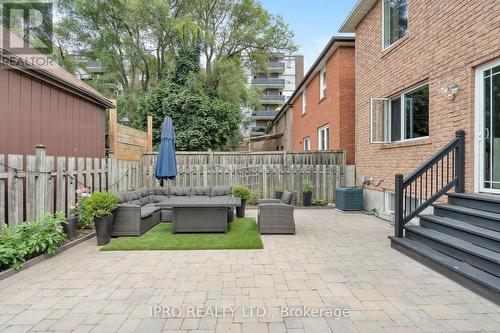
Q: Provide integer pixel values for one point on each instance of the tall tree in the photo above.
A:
(240, 28)
(202, 121)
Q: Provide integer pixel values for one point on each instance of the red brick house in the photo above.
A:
(435, 55)
(428, 130)
(322, 105)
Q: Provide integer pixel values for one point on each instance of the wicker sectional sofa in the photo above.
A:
(137, 211)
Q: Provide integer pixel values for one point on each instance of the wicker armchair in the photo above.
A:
(275, 216)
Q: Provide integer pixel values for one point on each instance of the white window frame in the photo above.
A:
(304, 102)
(384, 47)
(320, 141)
(386, 116)
(322, 82)
(307, 143)
(387, 113)
(389, 198)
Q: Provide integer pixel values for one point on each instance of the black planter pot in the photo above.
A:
(240, 211)
(307, 199)
(103, 227)
(278, 194)
(70, 227)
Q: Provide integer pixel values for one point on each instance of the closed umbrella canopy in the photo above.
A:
(166, 166)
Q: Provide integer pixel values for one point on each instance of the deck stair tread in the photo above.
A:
(456, 243)
(469, 211)
(476, 196)
(451, 263)
(464, 226)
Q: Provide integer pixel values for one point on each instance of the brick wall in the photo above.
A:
(444, 43)
(335, 110)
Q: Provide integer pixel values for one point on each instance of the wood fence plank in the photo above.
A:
(61, 185)
(89, 177)
(30, 188)
(3, 218)
(80, 168)
(71, 182)
(15, 190)
(49, 185)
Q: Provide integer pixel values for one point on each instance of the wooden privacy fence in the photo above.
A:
(33, 185)
(127, 143)
(263, 172)
(335, 157)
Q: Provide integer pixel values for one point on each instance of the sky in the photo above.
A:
(313, 22)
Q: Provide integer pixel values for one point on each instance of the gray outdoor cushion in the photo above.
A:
(149, 209)
(137, 202)
(180, 190)
(159, 198)
(200, 190)
(293, 202)
(159, 191)
(218, 191)
(127, 196)
(143, 192)
(287, 197)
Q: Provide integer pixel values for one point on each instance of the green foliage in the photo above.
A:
(242, 192)
(318, 202)
(201, 120)
(136, 41)
(97, 205)
(19, 242)
(307, 186)
(254, 198)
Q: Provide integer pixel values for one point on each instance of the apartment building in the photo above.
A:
(277, 82)
(319, 115)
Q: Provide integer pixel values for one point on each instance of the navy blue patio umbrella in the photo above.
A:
(166, 165)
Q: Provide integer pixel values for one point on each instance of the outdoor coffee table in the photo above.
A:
(200, 214)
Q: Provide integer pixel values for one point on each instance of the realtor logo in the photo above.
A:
(32, 22)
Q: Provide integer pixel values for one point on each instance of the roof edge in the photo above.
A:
(359, 11)
(331, 43)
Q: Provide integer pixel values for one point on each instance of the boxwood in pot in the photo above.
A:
(243, 193)
(99, 207)
(307, 188)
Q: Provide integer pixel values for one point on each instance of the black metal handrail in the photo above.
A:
(442, 172)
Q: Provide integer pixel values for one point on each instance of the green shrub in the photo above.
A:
(254, 198)
(24, 241)
(318, 202)
(97, 205)
(307, 186)
(242, 192)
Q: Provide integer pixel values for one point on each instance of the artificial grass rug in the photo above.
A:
(242, 234)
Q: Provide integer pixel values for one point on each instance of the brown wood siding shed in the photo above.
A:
(34, 112)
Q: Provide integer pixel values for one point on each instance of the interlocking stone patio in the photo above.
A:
(335, 260)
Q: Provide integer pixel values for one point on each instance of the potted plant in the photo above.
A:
(73, 222)
(243, 193)
(98, 208)
(278, 192)
(307, 188)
